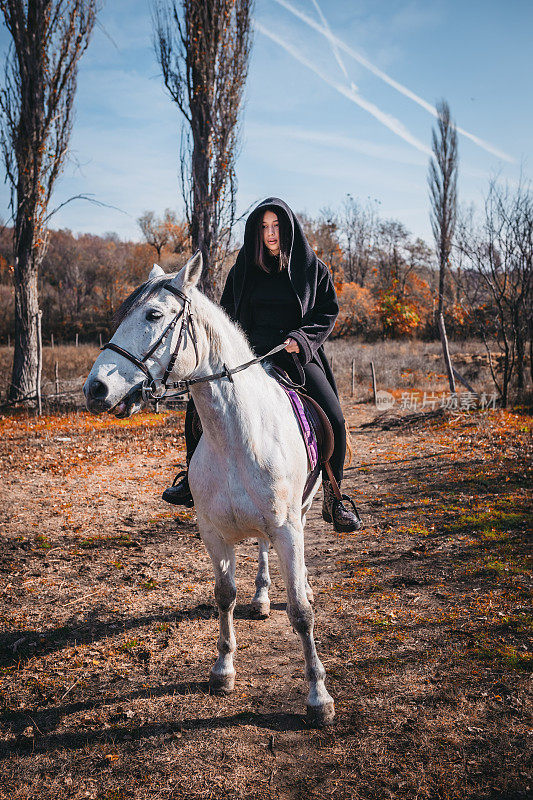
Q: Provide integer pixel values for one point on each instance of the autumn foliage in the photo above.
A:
(398, 316)
(358, 313)
(84, 278)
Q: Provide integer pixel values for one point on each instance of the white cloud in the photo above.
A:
(334, 47)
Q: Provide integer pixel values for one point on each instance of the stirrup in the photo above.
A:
(183, 474)
(337, 503)
(328, 515)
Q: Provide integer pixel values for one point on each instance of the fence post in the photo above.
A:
(77, 339)
(446, 352)
(56, 371)
(464, 381)
(353, 377)
(8, 340)
(52, 341)
(373, 382)
(39, 362)
(100, 338)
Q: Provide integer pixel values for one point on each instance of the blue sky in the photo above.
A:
(321, 118)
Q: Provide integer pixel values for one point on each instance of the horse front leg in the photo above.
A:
(260, 600)
(288, 542)
(222, 675)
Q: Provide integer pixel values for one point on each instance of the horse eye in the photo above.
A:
(152, 316)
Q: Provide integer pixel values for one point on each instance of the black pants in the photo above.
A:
(320, 389)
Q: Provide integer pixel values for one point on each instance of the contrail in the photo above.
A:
(334, 47)
(386, 119)
(388, 152)
(336, 42)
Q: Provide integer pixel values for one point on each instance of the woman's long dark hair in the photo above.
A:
(263, 258)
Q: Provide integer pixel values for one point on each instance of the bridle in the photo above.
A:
(150, 389)
(153, 390)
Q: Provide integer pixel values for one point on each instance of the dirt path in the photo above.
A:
(423, 621)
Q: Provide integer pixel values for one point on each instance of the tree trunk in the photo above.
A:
(24, 377)
(520, 349)
(201, 238)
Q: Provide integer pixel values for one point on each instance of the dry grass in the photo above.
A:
(73, 362)
(73, 366)
(400, 366)
(407, 365)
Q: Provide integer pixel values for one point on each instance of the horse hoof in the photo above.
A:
(221, 684)
(321, 716)
(260, 610)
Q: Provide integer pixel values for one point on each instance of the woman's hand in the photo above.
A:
(291, 345)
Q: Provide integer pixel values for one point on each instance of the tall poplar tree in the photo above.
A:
(203, 47)
(442, 180)
(48, 38)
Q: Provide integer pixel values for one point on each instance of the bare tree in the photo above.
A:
(166, 232)
(359, 229)
(155, 232)
(203, 47)
(497, 279)
(392, 241)
(36, 101)
(178, 234)
(442, 180)
(323, 235)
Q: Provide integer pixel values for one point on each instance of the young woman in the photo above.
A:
(279, 291)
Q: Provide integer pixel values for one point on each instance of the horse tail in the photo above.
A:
(348, 442)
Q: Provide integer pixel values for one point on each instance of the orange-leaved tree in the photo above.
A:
(358, 313)
(399, 316)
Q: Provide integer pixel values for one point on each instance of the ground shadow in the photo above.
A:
(47, 718)
(15, 646)
(76, 741)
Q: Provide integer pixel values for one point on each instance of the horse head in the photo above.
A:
(154, 333)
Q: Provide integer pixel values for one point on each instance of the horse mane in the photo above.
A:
(205, 310)
(209, 314)
(139, 297)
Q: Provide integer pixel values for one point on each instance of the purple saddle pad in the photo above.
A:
(306, 429)
(308, 435)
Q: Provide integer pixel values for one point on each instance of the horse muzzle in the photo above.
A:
(98, 400)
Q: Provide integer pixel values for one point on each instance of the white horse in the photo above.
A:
(249, 469)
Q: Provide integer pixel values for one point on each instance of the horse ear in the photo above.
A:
(156, 272)
(191, 272)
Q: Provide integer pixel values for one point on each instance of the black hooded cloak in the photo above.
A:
(310, 280)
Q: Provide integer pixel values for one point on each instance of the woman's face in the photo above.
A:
(271, 232)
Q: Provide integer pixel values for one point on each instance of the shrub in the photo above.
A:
(399, 317)
(358, 313)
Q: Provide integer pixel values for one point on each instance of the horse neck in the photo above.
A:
(230, 411)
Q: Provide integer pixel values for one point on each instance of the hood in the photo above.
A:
(303, 261)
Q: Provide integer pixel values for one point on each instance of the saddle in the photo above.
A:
(315, 428)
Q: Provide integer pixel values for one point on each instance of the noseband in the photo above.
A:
(150, 389)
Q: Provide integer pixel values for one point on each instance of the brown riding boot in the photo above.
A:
(344, 519)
